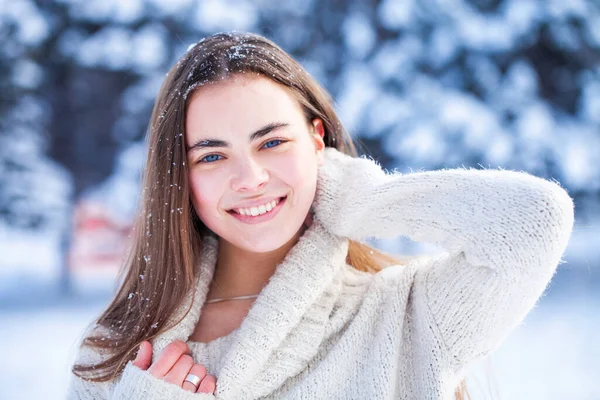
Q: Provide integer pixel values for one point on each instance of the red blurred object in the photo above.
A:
(100, 241)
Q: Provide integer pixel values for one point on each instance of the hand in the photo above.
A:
(173, 365)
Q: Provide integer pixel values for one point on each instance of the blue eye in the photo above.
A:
(210, 158)
(276, 141)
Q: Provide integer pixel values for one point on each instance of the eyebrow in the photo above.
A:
(265, 130)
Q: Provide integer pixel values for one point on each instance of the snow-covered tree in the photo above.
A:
(423, 84)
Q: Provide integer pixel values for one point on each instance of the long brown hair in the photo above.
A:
(167, 238)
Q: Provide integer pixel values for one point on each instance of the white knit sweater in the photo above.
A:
(322, 330)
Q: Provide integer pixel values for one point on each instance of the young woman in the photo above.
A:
(247, 278)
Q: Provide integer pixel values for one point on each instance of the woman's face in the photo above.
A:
(253, 161)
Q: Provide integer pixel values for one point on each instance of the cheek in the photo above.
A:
(206, 193)
(300, 174)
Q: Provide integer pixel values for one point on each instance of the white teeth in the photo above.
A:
(254, 211)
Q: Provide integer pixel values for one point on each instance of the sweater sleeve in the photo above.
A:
(504, 233)
(133, 384)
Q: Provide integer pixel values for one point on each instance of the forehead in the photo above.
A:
(241, 102)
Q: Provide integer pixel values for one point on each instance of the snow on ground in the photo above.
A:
(41, 342)
(553, 355)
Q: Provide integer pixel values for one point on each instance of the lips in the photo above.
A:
(256, 217)
(265, 204)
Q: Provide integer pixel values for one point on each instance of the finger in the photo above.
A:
(200, 372)
(144, 356)
(180, 370)
(208, 385)
(168, 358)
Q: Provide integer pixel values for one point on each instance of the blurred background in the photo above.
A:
(421, 84)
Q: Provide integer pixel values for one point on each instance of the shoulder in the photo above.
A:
(87, 354)
(80, 386)
(405, 273)
(375, 289)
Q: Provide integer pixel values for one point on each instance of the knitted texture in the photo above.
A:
(322, 330)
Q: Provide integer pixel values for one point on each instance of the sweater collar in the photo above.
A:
(286, 323)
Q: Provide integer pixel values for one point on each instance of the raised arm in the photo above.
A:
(504, 233)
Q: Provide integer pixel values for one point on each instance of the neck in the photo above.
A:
(240, 272)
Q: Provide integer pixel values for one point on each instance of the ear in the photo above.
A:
(318, 134)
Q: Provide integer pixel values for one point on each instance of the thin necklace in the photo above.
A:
(228, 298)
(238, 297)
(232, 298)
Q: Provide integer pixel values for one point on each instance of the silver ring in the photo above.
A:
(193, 379)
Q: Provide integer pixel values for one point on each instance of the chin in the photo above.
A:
(264, 241)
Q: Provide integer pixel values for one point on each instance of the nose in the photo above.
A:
(249, 176)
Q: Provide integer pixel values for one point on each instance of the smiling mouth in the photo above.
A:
(258, 210)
